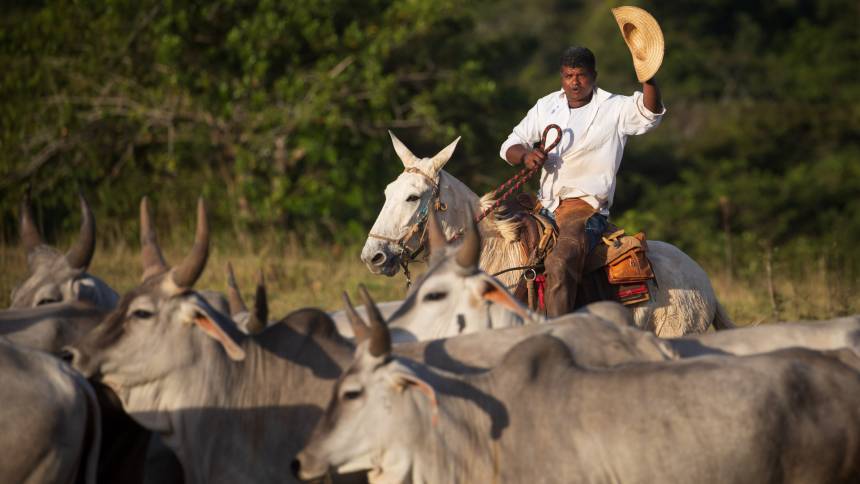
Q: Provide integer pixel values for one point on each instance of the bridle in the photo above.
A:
(419, 227)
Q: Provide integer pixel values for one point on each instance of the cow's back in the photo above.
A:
(49, 419)
(791, 416)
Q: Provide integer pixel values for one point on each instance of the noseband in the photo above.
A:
(419, 227)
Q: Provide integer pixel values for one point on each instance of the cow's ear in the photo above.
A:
(438, 161)
(492, 290)
(207, 322)
(405, 379)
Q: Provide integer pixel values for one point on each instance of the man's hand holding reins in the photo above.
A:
(530, 157)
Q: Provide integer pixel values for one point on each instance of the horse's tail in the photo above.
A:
(721, 319)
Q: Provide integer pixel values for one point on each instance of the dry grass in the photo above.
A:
(299, 276)
(295, 277)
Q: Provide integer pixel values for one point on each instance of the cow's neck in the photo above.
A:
(227, 415)
(469, 423)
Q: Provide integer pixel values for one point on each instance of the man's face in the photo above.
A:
(578, 84)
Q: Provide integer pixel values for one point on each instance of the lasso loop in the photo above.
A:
(517, 181)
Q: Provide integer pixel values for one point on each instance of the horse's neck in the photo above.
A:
(462, 204)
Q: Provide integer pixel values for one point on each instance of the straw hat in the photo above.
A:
(644, 39)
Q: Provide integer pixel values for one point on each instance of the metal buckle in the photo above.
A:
(530, 274)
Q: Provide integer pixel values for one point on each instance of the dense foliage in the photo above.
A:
(277, 111)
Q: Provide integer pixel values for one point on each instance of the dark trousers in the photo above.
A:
(564, 264)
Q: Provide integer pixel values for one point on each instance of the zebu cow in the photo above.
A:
(55, 277)
(454, 296)
(232, 406)
(50, 420)
(790, 416)
(684, 302)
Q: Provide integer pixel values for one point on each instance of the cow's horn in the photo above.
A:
(469, 253)
(80, 255)
(360, 330)
(186, 273)
(150, 252)
(234, 297)
(380, 338)
(437, 237)
(30, 236)
(260, 315)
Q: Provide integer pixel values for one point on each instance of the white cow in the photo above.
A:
(790, 416)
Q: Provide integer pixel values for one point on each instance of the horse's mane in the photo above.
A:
(501, 222)
(501, 246)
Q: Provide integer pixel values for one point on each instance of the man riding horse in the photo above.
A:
(577, 182)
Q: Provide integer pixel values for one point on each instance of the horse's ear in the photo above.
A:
(403, 152)
(443, 156)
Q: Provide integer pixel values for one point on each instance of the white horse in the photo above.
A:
(682, 301)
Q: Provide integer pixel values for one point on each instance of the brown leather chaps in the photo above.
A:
(564, 264)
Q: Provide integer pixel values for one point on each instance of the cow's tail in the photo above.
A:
(721, 319)
(88, 469)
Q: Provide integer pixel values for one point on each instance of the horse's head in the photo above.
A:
(399, 228)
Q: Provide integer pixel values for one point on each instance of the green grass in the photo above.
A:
(300, 276)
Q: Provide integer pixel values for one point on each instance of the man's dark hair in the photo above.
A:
(577, 56)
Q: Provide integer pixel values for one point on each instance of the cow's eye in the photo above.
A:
(351, 394)
(413, 198)
(142, 314)
(47, 300)
(435, 296)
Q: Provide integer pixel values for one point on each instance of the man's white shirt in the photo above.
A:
(585, 162)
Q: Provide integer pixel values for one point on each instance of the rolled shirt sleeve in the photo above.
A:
(635, 118)
(526, 133)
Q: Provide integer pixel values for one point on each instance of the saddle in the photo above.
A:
(616, 269)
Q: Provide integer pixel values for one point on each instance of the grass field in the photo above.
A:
(298, 276)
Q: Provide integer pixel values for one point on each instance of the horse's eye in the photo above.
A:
(142, 314)
(435, 296)
(413, 198)
(351, 394)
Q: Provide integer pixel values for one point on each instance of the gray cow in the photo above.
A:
(56, 277)
(49, 420)
(791, 416)
(231, 405)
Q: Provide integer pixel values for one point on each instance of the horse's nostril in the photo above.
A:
(378, 259)
(296, 467)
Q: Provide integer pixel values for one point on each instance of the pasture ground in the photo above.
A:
(299, 276)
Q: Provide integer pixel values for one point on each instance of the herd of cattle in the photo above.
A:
(167, 384)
